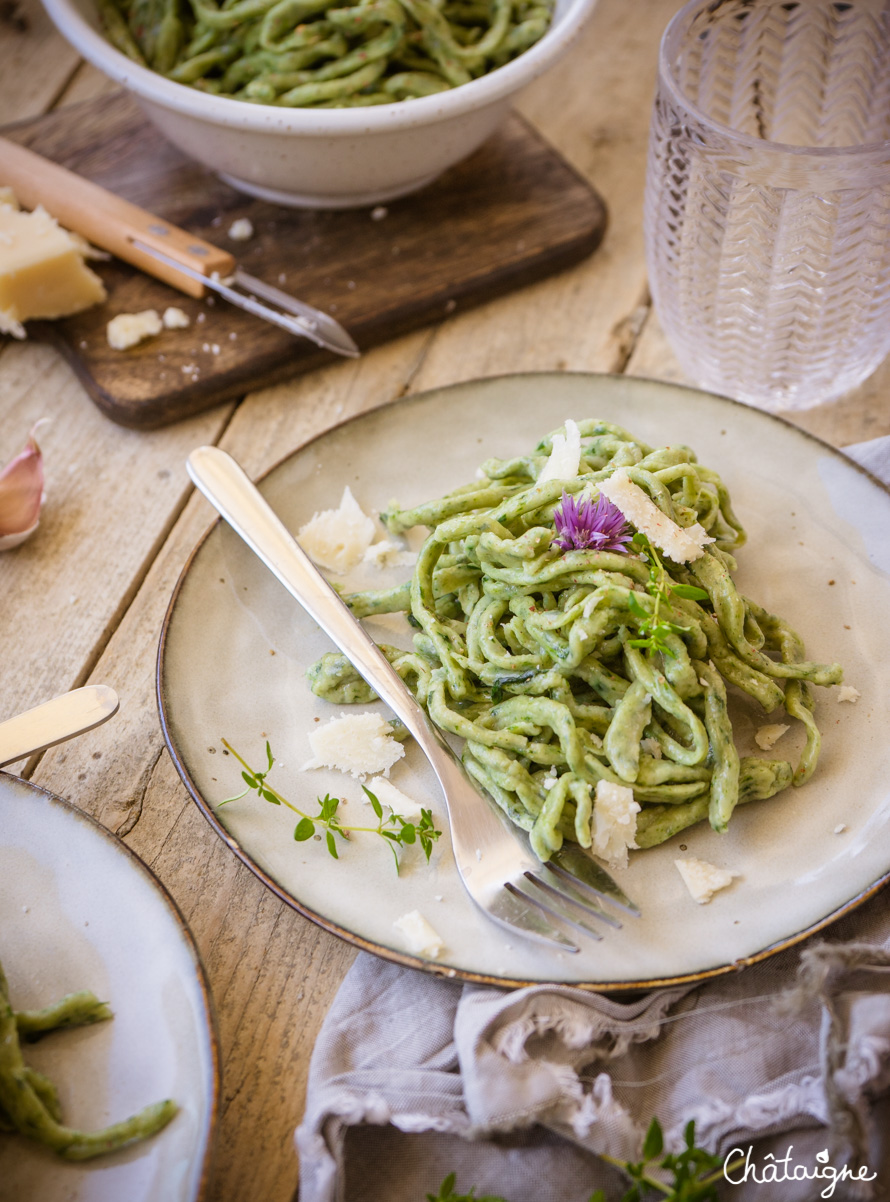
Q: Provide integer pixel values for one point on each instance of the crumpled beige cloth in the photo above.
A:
(413, 1077)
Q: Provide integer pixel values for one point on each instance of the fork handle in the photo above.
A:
(229, 490)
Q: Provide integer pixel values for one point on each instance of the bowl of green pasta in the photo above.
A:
(307, 104)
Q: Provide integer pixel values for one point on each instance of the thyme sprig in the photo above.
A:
(654, 629)
(393, 827)
(696, 1173)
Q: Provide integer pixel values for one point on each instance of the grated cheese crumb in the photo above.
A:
(387, 554)
(613, 826)
(840, 828)
(175, 319)
(651, 747)
(338, 538)
(565, 457)
(766, 736)
(129, 329)
(241, 230)
(360, 744)
(703, 879)
(400, 803)
(420, 937)
(846, 692)
(681, 544)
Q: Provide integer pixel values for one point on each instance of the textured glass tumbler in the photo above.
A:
(767, 211)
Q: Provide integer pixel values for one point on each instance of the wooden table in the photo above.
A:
(83, 600)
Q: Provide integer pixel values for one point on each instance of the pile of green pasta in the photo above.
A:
(29, 1103)
(525, 650)
(311, 53)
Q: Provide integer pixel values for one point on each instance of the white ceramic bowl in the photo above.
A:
(323, 158)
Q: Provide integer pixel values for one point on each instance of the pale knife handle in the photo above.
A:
(109, 221)
(55, 721)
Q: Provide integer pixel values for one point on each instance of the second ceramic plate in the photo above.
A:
(78, 910)
(235, 649)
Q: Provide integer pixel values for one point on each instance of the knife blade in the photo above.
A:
(158, 247)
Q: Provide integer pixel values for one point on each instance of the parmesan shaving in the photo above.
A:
(400, 803)
(703, 879)
(337, 539)
(681, 544)
(766, 736)
(565, 457)
(360, 744)
(420, 937)
(614, 823)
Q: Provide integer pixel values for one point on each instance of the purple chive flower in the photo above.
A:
(598, 525)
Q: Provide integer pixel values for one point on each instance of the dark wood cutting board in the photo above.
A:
(513, 212)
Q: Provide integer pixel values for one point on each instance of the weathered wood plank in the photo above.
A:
(86, 84)
(36, 61)
(112, 496)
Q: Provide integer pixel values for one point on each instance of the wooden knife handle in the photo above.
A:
(109, 221)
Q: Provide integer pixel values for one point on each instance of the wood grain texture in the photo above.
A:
(35, 61)
(510, 214)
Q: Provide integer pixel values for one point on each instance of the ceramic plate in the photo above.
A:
(235, 649)
(79, 911)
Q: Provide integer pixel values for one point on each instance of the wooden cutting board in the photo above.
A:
(513, 212)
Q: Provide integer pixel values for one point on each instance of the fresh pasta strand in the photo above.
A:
(602, 661)
(311, 53)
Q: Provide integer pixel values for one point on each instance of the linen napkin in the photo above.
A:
(517, 1092)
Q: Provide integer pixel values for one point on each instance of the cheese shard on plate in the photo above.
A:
(400, 803)
(703, 879)
(42, 272)
(420, 937)
(360, 744)
(614, 824)
(766, 736)
(338, 538)
(682, 544)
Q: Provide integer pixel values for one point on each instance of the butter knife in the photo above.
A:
(56, 721)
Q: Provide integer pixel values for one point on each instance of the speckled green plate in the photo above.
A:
(235, 648)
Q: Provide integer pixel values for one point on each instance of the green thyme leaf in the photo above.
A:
(304, 830)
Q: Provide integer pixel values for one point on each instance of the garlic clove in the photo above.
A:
(21, 494)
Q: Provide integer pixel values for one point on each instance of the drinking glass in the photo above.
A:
(767, 210)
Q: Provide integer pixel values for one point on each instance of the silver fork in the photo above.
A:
(498, 869)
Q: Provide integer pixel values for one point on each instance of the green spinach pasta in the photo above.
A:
(571, 639)
(29, 1103)
(311, 53)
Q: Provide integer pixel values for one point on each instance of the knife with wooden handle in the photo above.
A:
(157, 247)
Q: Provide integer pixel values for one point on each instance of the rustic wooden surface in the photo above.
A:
(512, 213)
(83, 600)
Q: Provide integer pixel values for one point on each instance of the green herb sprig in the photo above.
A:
(393, 827)
(696, 1174)
(655, 630)
(447, 1194)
